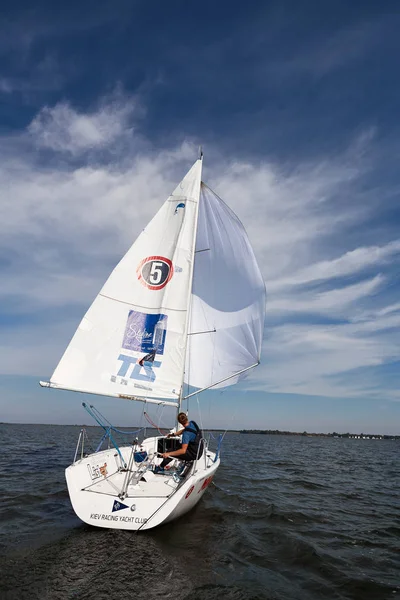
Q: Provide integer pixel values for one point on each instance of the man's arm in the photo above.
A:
(176, 433)
(176, 453)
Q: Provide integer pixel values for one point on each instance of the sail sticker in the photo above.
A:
(96, 471)
(145, 333)
(103, 470)
(131, 368)
(118, 506)
(180, 205)
(154, 272)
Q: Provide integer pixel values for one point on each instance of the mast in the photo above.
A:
(200, 158)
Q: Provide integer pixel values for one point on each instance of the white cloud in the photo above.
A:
(63, 129)
(350, 263)
(336, 360)
(333, 302)
(64, 225)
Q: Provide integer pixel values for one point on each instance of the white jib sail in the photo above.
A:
(228, 299)
(132, 340)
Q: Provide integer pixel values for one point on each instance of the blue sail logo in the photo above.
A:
(180, 205)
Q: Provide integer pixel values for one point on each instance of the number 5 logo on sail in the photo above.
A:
(154, 272)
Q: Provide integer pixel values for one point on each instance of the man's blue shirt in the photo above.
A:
(188, 436)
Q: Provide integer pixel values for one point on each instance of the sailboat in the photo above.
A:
(182, 312)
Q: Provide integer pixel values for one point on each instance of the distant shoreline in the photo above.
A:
(359, 436)
(364, 436)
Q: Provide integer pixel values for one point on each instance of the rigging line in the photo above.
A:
(233, 417)
(162, 505)
(161, 423)
(87, 488)
(209, 410)
(213, 358)
(158, 417)
(222, 380)
(98, 413)
(105, 436)
(153, 424)
(113, 496)
(94, 416)
(85, 434)
(101, 416)
(200, 332)
(142, 420)
(200, 415)
(161, 415)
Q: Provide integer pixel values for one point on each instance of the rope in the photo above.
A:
(221, 437)
(153, 424)
(200, 415)
(142, 420)
(161, 410)
(95, 417)
(112, 428)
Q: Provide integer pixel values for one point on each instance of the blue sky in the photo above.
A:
(297, 108)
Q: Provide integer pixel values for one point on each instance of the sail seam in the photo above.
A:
(188, 198)
(140, 305)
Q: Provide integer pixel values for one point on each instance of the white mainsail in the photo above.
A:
(185, 304)
(132, 340)
(228, 299)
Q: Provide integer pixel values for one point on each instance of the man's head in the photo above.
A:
(182, 418)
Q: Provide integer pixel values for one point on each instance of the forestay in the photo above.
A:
(132, 340)
(228, 299)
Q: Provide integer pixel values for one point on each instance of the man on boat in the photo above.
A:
(191, 448)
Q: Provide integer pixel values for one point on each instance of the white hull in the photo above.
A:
(104, 494)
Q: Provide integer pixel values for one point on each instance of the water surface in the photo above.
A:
(287, 518)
